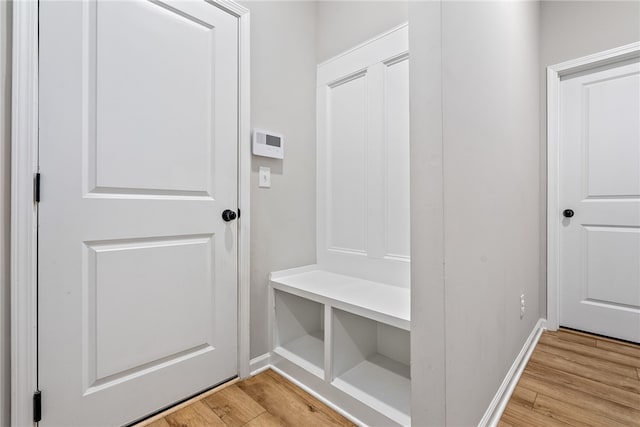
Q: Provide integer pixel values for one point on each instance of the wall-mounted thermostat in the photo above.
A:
(268, 144)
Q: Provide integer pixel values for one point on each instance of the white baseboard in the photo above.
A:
(259, 364)
(499, 403)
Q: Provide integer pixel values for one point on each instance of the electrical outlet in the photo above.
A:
(521, 306)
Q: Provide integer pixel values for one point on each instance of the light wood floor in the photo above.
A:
(267, 399)
(577, 379)
(571, 379)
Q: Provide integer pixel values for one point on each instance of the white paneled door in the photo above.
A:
(138, 158)
(600, 200)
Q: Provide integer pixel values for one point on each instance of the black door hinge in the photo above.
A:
(37, 406)
(36, 188)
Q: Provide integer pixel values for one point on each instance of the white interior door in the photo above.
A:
(138, 156)
(600, 183)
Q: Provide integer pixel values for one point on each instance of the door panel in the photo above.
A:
(155, 83)
(347, 160)
(612, 136)
(397, 156)
(138, 156)
(600, 181)
(613, 254)
(122, 274)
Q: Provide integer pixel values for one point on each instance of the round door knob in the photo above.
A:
(568, 213)
(229, 215)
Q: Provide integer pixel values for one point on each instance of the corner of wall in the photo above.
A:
(428, 361)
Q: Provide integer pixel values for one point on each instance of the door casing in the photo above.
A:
(554, 74)
(24, 211)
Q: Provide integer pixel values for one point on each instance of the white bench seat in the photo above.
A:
(378, 301)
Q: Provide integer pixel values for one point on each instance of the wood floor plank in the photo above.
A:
(618, 347)
(600, 364)
(233, 406)
(586, 401)
(595, 352)
(604, 391)
(303, 394)
(288, 384)
(520, 416)
(599, 374)
(599, 338)
(291, 408)
(524, 396)
(572, 336)
(265, 420)
(159, 423)
(502, 423)
(195, 415)
(151, 420)
(572, 414)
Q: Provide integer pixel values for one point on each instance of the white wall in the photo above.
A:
(5, 195)
(491, 184)
(427, 216)
(569, 30)
(342, 25)
(283, 80)
(492, 154)
(486, 196)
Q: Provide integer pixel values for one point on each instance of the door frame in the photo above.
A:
(24, 211)
(554, 75)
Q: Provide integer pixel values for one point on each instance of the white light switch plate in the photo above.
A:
(264, 177)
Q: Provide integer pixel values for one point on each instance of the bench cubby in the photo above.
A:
(371, 363)
(299, 332)
(351, 333)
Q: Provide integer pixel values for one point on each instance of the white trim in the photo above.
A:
(363, 44)
(5, 216)
(260, 364)
(499, 403)
(554, 74)
(277, 275)
(244, 191)
(24, 153)
(622, 53)
(553, 204)
(230, 6)
(24, 211)
(355, 62)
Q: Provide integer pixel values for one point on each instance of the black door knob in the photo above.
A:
(229, 215)
(567, 213)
